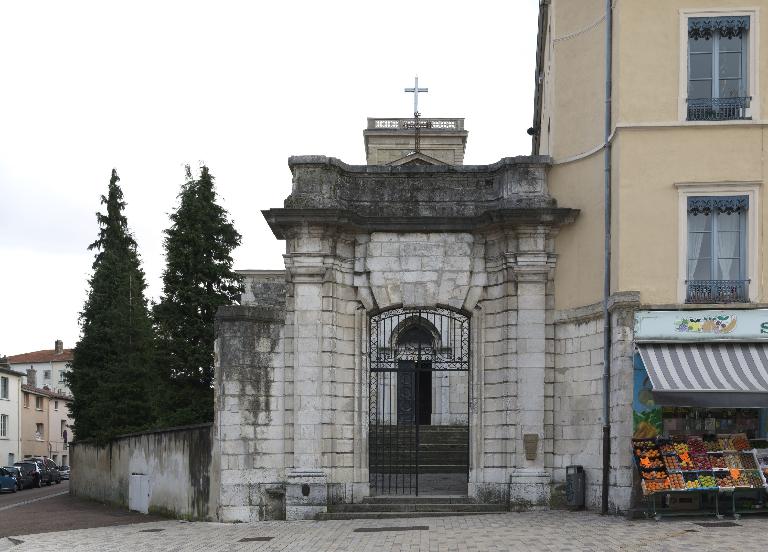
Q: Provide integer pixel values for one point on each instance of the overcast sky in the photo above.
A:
(147, 87)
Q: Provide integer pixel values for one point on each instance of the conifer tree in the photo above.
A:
(111, 378)
(197, 280)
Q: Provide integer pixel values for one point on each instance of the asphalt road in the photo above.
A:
(52, 509)
(12, 499)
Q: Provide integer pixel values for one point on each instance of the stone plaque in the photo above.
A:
(531, 443)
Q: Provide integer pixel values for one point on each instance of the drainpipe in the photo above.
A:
(607, 260)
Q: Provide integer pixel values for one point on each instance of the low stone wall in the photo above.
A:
(169, 472)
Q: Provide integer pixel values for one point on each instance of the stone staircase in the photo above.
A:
(442, 449)
(388, 507)
(443, 456)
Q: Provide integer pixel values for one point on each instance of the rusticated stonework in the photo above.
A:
(292, 386)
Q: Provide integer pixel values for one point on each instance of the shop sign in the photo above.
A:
(691, 325)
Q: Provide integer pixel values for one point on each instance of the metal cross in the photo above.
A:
(415, 91)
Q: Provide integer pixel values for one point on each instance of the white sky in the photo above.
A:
(147, 87)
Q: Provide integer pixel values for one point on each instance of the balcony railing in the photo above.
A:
(718, 109)
(407, 124)
(717, 291)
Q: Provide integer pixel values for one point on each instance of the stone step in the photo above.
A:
(387, 468)
(394, 515)
(410, 499)
(430, 457)
(418, 507)
(408, 446)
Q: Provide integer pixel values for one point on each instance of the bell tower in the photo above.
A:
(416, 140)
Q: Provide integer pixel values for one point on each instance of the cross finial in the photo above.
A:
(415, 91)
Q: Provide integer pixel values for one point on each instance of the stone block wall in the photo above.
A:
(416, 270)
(578, 407)
(250, 423)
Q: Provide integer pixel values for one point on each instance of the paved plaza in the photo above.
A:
(532, 531)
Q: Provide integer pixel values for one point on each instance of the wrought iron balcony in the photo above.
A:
(717, 291)
(718, 109)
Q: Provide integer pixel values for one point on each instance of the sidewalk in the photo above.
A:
(530, 532)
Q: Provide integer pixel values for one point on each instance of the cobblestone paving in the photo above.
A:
(541, 531)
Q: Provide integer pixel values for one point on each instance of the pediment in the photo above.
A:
(416, 158)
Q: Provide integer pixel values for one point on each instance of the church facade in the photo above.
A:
(409, 345)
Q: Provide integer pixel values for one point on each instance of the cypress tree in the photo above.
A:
(112, 376)
(197, 280)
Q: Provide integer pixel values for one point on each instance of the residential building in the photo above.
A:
(687, 159)
(46, 427)
(10, 415)
(60, 424)
(50, 365)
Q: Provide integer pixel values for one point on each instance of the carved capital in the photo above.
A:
(530, 267)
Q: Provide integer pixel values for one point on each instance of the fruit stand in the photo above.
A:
(722, 470)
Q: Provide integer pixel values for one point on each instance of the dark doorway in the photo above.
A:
(425, 393)
(414, 392)
(406, 392)
(405, 447)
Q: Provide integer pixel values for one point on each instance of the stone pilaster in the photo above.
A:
(531, 267)
(306, 489)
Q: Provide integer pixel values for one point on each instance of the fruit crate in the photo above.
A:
(707, 480)
(647, 485)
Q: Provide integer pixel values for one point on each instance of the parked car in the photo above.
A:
(64, 471)
(22, 480)
(27, 474)
(8, 481)
(41, 474)
(50, 466)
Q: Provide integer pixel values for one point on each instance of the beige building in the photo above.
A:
(687, 138)
(666, 145)
(45, 424)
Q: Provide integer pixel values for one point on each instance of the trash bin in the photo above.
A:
(575, 487)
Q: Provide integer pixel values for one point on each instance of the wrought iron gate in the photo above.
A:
(409, 350)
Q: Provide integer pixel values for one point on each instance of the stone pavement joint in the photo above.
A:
(528, 531)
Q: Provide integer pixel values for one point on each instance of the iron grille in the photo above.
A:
(410, 351)
(717, 291)
(718, 109)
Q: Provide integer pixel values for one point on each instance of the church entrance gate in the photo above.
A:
(419, 401)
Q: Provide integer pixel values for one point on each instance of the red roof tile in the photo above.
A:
(49, 355)
(46, 392)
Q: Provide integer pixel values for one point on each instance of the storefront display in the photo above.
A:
(700, 431)
(715, 464)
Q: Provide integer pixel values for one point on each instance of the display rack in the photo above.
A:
(721, 469)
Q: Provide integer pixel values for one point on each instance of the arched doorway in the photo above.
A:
(419, 402)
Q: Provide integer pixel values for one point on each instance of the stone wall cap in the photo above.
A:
(620, 299)
(260, 274)
(624, 299)
(174, 429)
(230, 313)
(322, 160)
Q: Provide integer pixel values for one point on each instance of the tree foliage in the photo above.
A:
(197, 280)
(112, 375)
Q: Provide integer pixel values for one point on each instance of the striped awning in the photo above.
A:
(716, 375)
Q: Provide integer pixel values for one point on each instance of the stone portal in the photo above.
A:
(415, 280)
